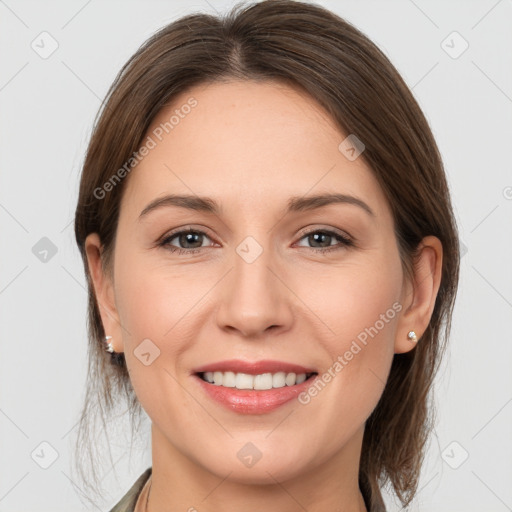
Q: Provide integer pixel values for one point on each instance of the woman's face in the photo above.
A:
(267, 276)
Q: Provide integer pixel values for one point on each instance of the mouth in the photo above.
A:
(258, 382)
(253, 387)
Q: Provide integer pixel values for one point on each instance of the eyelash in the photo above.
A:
(345, 241)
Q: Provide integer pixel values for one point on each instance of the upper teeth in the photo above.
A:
(247, 381)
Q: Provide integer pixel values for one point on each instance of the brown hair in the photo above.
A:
(310, 47)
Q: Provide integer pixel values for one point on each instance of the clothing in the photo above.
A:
(135, 499)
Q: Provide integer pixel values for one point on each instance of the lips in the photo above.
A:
(254, 367)
(254, 401)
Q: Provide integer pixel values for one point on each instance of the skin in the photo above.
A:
(251, 146)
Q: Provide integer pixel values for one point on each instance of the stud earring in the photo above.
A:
(412, 336)
(109, 347)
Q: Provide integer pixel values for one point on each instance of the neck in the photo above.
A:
(182, 484)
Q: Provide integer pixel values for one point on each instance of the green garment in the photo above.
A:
(129, 500)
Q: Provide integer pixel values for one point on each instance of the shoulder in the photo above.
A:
(128, 501)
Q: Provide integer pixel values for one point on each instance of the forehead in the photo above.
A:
(249, 144)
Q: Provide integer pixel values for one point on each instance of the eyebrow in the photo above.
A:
(295, 204)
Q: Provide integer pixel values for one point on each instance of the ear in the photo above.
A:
(419, 296)
(104, 291)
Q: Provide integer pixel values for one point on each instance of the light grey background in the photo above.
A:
(47, 108)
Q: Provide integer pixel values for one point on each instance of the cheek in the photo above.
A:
(363, 311)
(367, 310)
(355, 300)
(156, 303)
(151, 300)
(151, 308)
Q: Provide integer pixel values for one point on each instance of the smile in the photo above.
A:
(253, 387)
(262, 381)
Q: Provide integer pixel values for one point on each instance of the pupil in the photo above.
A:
(317, 235)
(188, 238)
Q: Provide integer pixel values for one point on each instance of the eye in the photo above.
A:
(190, 241)
(322, 240)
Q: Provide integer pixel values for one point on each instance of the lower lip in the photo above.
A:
(252, 401)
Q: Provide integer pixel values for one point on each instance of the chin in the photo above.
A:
(262, 473)
(258, 463)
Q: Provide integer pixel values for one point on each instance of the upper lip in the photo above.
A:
(253, 367)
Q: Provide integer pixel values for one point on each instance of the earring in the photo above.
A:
(109, 347)
(412, 336)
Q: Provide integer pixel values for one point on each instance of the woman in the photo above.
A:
(285, 357)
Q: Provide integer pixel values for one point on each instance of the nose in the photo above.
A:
(255, 299)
